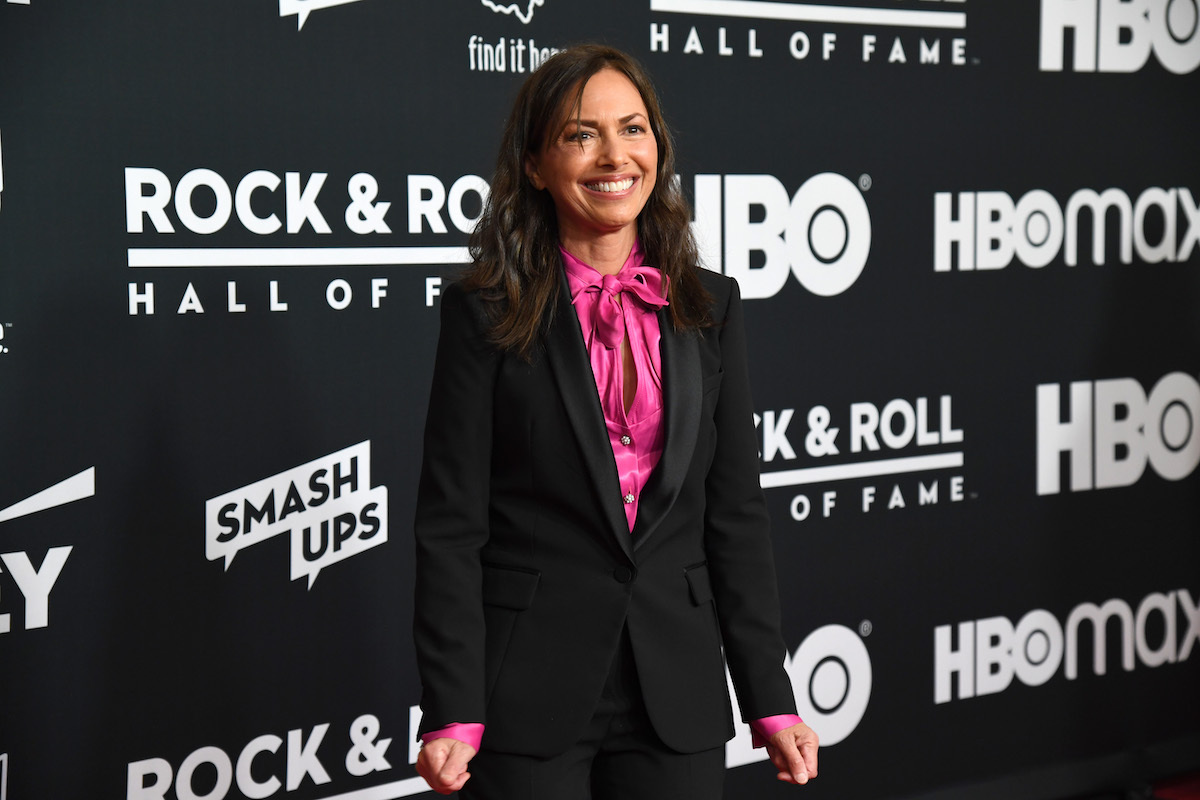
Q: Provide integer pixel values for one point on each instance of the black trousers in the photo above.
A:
(620, 757)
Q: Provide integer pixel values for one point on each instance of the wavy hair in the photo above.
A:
(516, 265)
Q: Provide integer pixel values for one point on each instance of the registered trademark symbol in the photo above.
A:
(864, 182)
(865, 627)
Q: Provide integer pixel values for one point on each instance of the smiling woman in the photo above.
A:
(592, 541)
(600, 170)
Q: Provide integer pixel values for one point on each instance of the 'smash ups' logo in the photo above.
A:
(327, 506)
(888, 36)
(989, 230)
(1120, 35)
(881, 440)
(990, 652)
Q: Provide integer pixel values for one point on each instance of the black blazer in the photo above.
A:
(527, 571)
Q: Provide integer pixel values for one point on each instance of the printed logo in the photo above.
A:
(3, 346)
(989, 229)
(1120, 35)
(327, 507)
(302, 8)
(831, 679)
(261, 770)
(889, 37)
(2, 167)
(515, 8)
(1111, 430)
(875, 437)
(821, 235)
(264, 204)
(36, 583)
(508, 53)
(990, 652)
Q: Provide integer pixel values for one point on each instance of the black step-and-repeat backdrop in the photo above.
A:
(968, 233)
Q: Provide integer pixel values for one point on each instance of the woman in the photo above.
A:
(590, 530)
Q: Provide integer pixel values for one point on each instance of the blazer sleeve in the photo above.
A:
(738, 541)
(451, 523)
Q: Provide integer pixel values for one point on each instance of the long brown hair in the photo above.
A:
(516, 263)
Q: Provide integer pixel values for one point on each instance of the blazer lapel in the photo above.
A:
(567, 355)
(681, 407)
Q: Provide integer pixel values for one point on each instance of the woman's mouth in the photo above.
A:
(610, 186)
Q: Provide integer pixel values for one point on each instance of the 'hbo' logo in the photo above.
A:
(831, 678)
(1118, 35)
(822, 234)
(1114, 430)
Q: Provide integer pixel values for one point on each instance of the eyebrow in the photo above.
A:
(623, 120)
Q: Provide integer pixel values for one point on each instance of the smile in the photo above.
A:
(610, 186)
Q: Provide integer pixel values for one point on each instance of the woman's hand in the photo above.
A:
(443, 764)
(793, 751)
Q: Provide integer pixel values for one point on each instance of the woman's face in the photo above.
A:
(601, 168)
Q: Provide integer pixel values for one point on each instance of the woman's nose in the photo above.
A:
(612, 151)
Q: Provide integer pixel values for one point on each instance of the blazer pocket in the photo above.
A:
(699, 586)
(509, 587)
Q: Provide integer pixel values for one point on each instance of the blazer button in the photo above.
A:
(622, 574)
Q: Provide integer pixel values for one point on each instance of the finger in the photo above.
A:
(808, 751)
(458, 784)
(788, 760)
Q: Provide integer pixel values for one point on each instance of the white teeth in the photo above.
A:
(611, 186)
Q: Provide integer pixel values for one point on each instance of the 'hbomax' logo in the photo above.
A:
(327, 506)
(992, 651)
(1119, 35)
(990, 230)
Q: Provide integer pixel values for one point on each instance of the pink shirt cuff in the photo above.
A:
(466, 732)
(765, 728)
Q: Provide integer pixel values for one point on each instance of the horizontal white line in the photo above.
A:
(866, 469)
(811, 12)
(295, 256)
(387, 791)
(76, 487)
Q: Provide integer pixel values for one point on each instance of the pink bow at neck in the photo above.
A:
(646, 284)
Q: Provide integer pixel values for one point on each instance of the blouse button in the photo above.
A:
(628, 499)
(625, 440)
